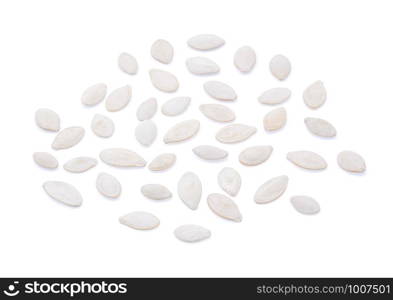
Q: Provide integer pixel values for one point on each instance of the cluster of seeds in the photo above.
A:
(189, 187)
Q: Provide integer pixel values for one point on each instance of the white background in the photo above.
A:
(52, 50)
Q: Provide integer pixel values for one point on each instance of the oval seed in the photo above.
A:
(210, 152)
(235, 133)
(108, 185)
(147, 109)
(280, 67)
(118, 99)
(205, 42)
(224, 207)
(68, 138)
(256, 155)
(217, 112)
(230, 181)
(175, 106)
(191, 233)
(155, 191)
(275, 96)
(275, 119)
(315, 95)
(320, 127)
(245, 59)
(162, 162)
(202, 66)
(63, 192)
(140, 220)
(220, 91)
(94, 94)
(102, 126)
(271, 189)
(351, 162)
(162, 51)
(127, 63)
(307, 160)
(119, 157)
(47, 119)
(305, 205)
(80, 164)
(181, 131)
(45, 160)
(189, 190)
(146, 132)
(163, 80)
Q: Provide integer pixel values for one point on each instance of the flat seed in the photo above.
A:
(140, 220)
(68, 138)
(230, 181)
(155, 191)
(224, 207)
(127, 63)
(118, 99)
(80, 164)
(189, 189)
(94, 94)
(205, 42)
(217, 112)
(305, 205)
(192, 233)
(162, 162)
(351, 162)
(307, 160)
(47, 119)
(63, 192)
(271, 189)
(163, 80)
(147, 109)
(202, 66)
(102, 126)
(315, 95)
(146, 132)
(120, 157)
(175, 106)
(275, 119)
(280, 67)
(181, 131)
(210, 152)
(320, 127)
(162, 51)
(45, 160)
(108, 185)
(220, 91)
(275, 96)
(235, 133)
(245, 59)
(256, 155)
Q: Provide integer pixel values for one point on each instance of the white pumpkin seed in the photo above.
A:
(63, 192)
(191, 233)
(202, 66)
(163, 80)
(205, 42)
(102, 126)
(210, 152)
(235, 133)
(275, 96)
(271, 189)
(217, 112)
(181, 131)
(147, 109)
(162, 162)
(118, 99)
(68, 138)
(280, 67)
(275, 119)
(245, 59)
(224, 207)
(256, 155)
(80, 164)
(219, 90)
(305, 205)
(127, 63)
(120, 157)
(189, 189)
(47, 119)
(94, 94)
(45, 160)
(230, 181)
(155, 191)
(320, 127)
(315, 95)
(108, 185)
(146, 132)
(351, 162)
(307, 160)
(162, 51)
(175, 106)
(140, 220)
